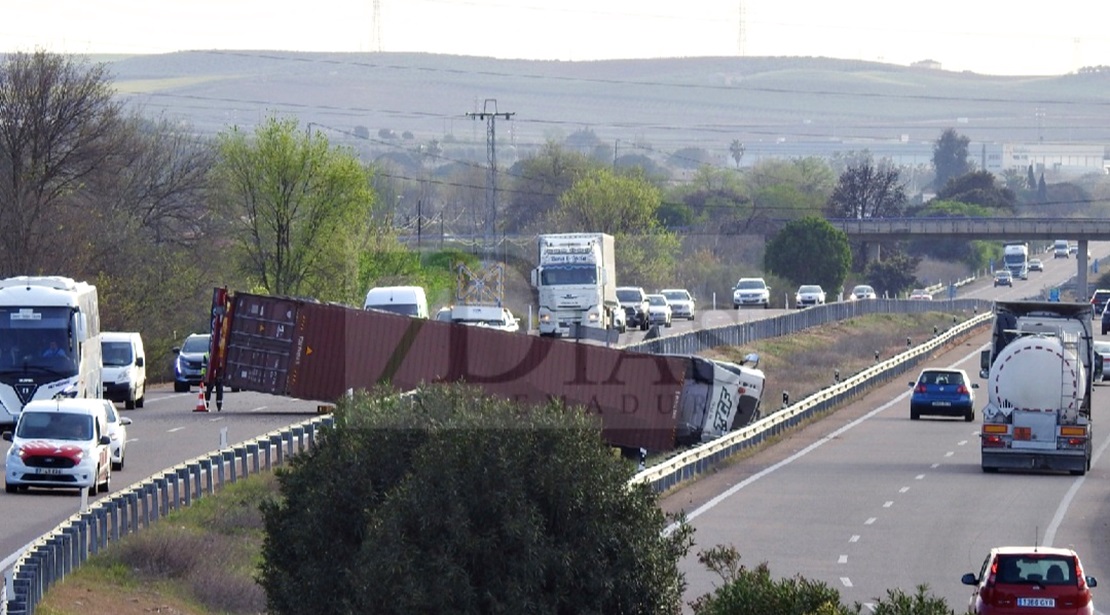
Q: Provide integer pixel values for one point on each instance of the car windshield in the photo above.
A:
(55, 426)
(195, 344)
(628, 296)
(677, 295)
(941, 378)
(810, 289)
(404, 309)
(750, 285)
(1036, 569)
(657, 300)
(115, 354)
(863, 290)
(1102, 347)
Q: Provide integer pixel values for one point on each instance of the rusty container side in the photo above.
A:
(320, 351)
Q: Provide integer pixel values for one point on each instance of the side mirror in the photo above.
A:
(1092, 582)
(139, 362)
(970, 579)
(974, 385)
(7, 436)
(105, 440)
(176, 349)
(124, 420)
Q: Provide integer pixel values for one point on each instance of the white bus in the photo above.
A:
(49, 342)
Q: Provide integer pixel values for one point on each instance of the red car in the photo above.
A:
(1041, 580)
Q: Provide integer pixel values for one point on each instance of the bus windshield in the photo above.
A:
(37, 338)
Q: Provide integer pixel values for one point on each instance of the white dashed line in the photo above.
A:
(888, 504)
(871, 521)
(962, 443)
(845, 581)
(903, 489)
(854, 538)
(843, 559)
(949, 453)
(919, 477)
(174, 429)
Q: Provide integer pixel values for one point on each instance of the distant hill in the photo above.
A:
(663, 104)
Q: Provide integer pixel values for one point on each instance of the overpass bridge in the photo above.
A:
(1079, 230)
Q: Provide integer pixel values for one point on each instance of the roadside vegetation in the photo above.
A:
(210, 559)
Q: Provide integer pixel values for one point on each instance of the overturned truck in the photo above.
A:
(320, 351)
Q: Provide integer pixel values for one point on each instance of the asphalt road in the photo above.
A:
(867, 500)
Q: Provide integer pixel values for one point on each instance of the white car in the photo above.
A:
(490, 316)
(681, 302)
(809, 295)
(862, 292)
(60, 444)
(659, 311)
(751, 291)
(117, 431)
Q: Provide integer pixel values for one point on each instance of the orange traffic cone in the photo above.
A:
(201, 405)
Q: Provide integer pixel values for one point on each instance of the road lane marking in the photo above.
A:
(903, 489)
(1065, 503)
(834, 435)
(961, 443)
(843, 559)
(919, 477)
(871, 521)
(845, 581)
(888, 504)
(854, 538)
(259, 409)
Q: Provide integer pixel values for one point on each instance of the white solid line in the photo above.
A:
(1062, 509)
(721, 497)
(259, 409)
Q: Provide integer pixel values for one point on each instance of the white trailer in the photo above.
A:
(575, 280)
(49, 342)
(1040, 368)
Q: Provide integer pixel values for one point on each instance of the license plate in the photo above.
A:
(1023, 433)
(50, 470)
(942, 403)
(1037, 602)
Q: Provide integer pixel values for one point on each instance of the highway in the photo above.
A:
(866, 500)
(884, 504)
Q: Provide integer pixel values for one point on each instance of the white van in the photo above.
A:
(404, 300)
(61, 444)
(1060, 249)
(124, 371)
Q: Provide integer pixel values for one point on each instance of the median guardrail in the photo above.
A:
(693, 462)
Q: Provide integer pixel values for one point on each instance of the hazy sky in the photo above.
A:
(984, 36)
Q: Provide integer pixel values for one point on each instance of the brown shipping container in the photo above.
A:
(320, 351)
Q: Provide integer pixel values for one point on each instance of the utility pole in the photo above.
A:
(490, 114)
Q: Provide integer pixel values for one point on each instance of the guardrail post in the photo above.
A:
(241, 454)
(133, 511)
(229, 458)
(252, 452)
(267, 445)
(207, 465)
(173, 493)
(218, 459)
(161, 506)
(113, 516)
(279, 445)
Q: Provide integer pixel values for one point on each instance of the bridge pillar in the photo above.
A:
(1081, 274)
(874, 252)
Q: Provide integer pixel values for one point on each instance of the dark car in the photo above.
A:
(1098, 301)
(1003, 278)
(1102, 356)
(634, 301)
(189, 361)
(1041, 580)
(1105, 321)
(943, 392)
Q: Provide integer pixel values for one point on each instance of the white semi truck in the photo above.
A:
(576, 282)
(1040, 370)
(1015, 256)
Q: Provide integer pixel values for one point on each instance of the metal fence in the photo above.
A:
(62, 550)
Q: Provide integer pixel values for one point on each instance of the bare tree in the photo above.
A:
(866, 190)
(58, 127)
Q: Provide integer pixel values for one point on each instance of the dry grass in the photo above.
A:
(198, 561)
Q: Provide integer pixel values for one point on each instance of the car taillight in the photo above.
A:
(920, 388)
(962, 390)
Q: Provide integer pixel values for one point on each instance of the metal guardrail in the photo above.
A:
(62, 550)
(691, 463)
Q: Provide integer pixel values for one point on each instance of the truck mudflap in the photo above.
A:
(1076, 462)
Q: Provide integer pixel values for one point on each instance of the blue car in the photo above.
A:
(943, 392)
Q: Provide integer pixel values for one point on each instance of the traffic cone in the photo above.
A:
(201, 405)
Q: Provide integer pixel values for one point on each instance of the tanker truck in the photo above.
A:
(1040, 373)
